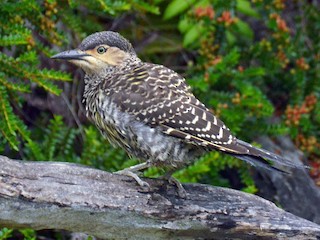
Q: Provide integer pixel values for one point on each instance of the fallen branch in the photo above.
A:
(44, 195)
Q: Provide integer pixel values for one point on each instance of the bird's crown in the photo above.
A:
(112, 39)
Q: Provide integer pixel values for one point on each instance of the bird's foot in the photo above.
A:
(126, 172)
(181, 191)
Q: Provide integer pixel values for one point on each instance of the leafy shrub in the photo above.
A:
(254, 63)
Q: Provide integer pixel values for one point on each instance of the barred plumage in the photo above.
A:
(149, 110)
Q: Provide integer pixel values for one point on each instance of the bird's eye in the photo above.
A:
(101, 50)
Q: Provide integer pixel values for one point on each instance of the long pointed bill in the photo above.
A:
(71, 55)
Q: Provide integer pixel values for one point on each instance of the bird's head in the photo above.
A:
(99, 51)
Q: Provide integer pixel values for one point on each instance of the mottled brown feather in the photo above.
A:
(159, 96)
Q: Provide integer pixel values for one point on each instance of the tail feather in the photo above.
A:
(265, 159)
(260, 162)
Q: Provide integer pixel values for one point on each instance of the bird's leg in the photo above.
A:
(181, 191)
(130, 173)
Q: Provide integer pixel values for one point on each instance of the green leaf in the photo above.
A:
(147, 7)
(30, 56)
(176, 7)
(199, 84)
(13, 39)
(5, 233)
(244, 29)
(230, 38)
(193, 34)
(229, 60)
(250, 189)
(29, 234)
(114, 7)
(244, 7)
(7, 119)
(202, 3)
(272, 24)
(47, 85)
(15, 86)
(254, 71)
(184, 25)
(54, 75)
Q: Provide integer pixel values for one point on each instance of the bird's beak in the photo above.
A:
(71, 55)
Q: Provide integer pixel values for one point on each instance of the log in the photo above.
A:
(56, 195)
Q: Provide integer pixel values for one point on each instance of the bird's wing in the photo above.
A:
(158, 96)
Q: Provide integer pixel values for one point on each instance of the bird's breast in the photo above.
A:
(138, 139)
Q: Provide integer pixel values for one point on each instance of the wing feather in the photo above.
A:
(160, 97)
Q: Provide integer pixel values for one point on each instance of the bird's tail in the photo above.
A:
(265, 159)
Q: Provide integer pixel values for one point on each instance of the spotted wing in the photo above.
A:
(159, 97)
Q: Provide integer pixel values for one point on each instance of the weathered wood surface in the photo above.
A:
(44, 195)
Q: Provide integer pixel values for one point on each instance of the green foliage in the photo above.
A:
(5, 233)
(23, 26)
(244, 6)
(19, 67)
(63, 143)
(260, 76)
(55, 144)
(10, 124)
(29, 234)
(99, 153)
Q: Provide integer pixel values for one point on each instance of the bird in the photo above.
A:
(150, 111)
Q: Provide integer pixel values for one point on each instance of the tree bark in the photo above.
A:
(51, 195)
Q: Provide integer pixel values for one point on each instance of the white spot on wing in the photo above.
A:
(208, 127)
(195, 120)
(220, 133)
(214, 120)
(204, 116)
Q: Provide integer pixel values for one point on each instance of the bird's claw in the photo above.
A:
(143, 184)
(181, 191)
